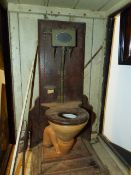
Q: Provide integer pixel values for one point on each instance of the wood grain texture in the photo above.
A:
(50, 66)
(97, 69)
(82, 160)
(15, 63)
(88, 53)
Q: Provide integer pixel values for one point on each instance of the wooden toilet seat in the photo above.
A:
(55, 115)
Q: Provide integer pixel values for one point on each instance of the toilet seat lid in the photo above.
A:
(55, 115)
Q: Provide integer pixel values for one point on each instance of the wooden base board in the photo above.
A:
(82, 160)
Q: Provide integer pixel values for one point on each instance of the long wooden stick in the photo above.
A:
(21, 120)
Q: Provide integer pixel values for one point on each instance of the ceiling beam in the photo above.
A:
(118, 6)
(37, 9)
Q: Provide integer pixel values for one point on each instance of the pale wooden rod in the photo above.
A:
(22, 118)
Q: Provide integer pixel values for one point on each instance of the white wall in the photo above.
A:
(23, 41)
(117, 119)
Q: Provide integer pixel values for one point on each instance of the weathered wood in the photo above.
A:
(37, 9)
(97, 69)
(22, 118)
(36, 160)
(117, 6)
(28, 43)
(15, 62)
(88, 50)
(82, 160)
(50, 66)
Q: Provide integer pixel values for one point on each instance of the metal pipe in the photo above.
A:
(62, 75)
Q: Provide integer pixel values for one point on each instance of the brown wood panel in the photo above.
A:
(50, 66)
(4, 131)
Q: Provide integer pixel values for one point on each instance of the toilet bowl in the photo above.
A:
(65, 122)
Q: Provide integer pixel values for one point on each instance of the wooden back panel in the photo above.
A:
(49, 73)
(49, 66)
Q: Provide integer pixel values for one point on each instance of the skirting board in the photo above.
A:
(119, 163)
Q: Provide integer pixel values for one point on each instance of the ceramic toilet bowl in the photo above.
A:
(68, 128)
(67, 121)
(67, 132)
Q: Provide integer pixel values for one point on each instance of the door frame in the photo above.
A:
(8, 74)
(9, 87)
(121, 153)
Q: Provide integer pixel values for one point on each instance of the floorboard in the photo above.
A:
(82, 160)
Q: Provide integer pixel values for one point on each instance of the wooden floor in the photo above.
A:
(82, 160)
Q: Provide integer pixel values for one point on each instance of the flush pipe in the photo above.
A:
(62, 75)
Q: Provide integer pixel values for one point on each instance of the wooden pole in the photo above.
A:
(21, 120)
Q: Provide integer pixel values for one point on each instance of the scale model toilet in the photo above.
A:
(65, 123)
(66, 118)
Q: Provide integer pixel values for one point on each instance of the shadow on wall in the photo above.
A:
(36, 123)
(86, 132)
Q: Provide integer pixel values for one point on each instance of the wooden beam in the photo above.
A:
(37, 9)
(15, 65)
(118, 6)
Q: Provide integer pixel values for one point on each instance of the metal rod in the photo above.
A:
(93, 57)
(62, 75)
